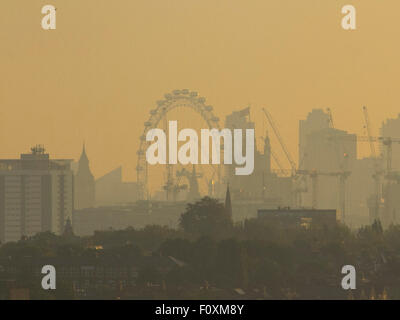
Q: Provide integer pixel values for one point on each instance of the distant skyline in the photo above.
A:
(97, 76)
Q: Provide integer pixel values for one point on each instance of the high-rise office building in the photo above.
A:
(316, 120)
(329, 157)
(36, 195)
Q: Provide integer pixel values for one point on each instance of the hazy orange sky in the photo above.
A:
(98, 75)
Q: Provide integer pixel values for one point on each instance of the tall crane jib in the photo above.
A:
(369, 135)
(281, 142)
(297, 182)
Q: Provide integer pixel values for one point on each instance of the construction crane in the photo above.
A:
(377, 172)
(331, 125)
(281, 142)
(369, 134)
(338, 152)
(297, 187)
(313, 174)
(293, 172)
(386, 141)
(343, 174)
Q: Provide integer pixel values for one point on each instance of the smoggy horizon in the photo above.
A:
(96, 78)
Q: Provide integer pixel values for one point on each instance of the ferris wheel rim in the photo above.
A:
(188, 99)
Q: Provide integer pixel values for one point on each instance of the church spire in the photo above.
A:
(83, 157)
(84, 183)
(228, 203)
(68, 230)
(267, 152)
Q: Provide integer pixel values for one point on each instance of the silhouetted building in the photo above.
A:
(390, 210)
(36, 195)
(111, 190)
(262, 184)
(88, 277)
(84, 184)
(316, 120)
(360, 188)
(240, 184)
(68, 230)
(137, 215)
(286, 217)
(328, 153)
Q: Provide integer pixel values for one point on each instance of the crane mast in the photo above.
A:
(331, 125)
(377, 173)
(342, 175)
(369, 134)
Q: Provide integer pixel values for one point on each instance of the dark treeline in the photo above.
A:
(210, 258)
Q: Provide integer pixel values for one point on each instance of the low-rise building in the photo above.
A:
(287, 217)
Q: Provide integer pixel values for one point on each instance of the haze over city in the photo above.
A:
(199, 150)
(97, 76)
